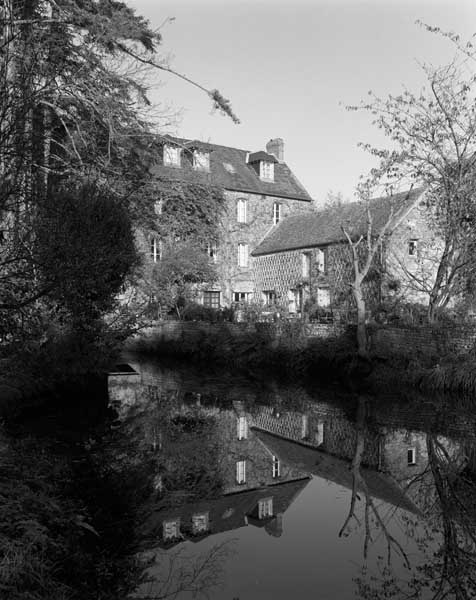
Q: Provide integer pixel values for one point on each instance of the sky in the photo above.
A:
(290, 67)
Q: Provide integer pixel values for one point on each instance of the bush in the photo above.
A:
(198, 312)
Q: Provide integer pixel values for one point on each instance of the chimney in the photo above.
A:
(276, 148)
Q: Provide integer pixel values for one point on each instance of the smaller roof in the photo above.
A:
(261, 155)
(324, 227)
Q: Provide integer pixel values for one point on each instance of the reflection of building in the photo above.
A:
(262, 507)
(257, 487)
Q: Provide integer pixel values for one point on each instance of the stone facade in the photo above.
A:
(259, 191)
(309, 258)
(235, 280)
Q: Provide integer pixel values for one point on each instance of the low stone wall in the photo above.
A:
(190, 333)
(424, 340)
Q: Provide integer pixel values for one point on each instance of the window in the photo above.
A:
(241, 209)
(276, 467)
(269, 297)
(158, 207)
(171, 156)
(323, 297)
(171, 529)
(319, 433)
(242, 255)
(200, 523)
(321, 260)
(241, 471)
(211, 299)
(154, 249)
(411, 456)
(242, 428)
(265, 508)
(412, 247)
(212, 250)
(201, 160)
(305, 427)
(276, 213)
(241, 296)
(306, 264)
(266, 170)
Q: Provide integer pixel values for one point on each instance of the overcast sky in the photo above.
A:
(290, 66)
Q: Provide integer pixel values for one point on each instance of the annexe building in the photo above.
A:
(307, 256)
(260, 191)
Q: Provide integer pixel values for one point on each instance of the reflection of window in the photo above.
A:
(200, 523)
(154, 249)
(266, 170)
(241, 471)
(412, 247)
(319, 433)
(241, 207)
(241, 296)
(201, 160)
(171, 529)
(306, 264)
(411, 456)
(242, 255)
(242, 432)
(321, 260)
(276, 213)
(269, 297)
(211, 299)
(171, 156)
(276, 467)
(265, 508)
(305, 427)
(323, 297)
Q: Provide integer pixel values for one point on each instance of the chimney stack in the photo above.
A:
(276, 148)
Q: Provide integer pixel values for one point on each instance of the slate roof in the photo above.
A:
(335, 469)
(229, 170)
(226, 512)
(325, 227)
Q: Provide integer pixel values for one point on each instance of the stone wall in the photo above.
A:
(424, 340)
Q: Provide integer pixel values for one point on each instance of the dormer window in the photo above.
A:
(265, 508)
(266, 170)
(201, 160)
(171, 156)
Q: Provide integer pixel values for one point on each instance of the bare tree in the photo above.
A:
(366, 249)
(432, 141)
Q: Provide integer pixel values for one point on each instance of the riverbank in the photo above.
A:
(440, 358)
(66, 513)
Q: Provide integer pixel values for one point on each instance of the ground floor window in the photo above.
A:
(211, 299)
(241, 296)
(269, 297)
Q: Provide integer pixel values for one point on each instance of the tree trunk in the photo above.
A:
(362, 342)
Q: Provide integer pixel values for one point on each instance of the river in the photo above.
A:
(261, 490)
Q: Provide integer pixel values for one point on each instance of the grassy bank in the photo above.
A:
(292, 355)
(66, 513)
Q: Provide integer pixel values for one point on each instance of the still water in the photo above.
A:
(261, 490)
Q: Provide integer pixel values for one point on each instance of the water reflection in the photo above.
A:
(328, 477)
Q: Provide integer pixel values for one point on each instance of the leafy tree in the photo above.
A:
(84, 249)
(73, 107)
(173, 280)
(432, 137)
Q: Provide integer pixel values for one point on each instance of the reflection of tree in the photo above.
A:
(446, 539)
(372, 515)
(180, 573)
